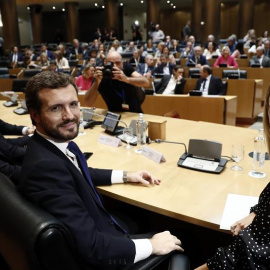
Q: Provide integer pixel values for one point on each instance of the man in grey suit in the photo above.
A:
(260, 58)
(147, 69)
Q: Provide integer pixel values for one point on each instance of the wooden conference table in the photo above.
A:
(186, 195)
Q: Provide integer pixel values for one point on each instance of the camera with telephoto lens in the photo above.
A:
(108, 71)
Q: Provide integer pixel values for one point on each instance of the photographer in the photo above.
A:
(118, 84)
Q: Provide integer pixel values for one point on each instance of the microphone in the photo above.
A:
(160, 141)
(192, 61)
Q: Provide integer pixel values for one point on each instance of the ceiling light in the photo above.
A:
(142, 1)
(63, 9)
(53, 7)
(121, 4)
(174, 6)
(28, 8)
(168, 2)
(103, 6)
(96, 4)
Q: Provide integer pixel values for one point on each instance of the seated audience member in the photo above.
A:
(172, 84)
(175, 47)
(168, 42)
(260, 58)
(43, 61)
(255, 44)
(250, 33)
(250, 248)
(187, 51)
(226, 58)
(137, 58)
(192, 40)
(63, 50)
(165, 51)
(32, 56)
(209, 84)
(149, 47)
(159, 50)
(27, 63)
(95, 45)
(211, 38)
(147, 69)
(53, 67)
(85, 51)
(120, 88)
(61, 62)
(197, 58)
(265, 36)
(15, 56)
(231, 43)
(113, 34)
(250, 42)
(130, 48)
(211, 51)
(76, 47)
(101, 55)
(266, 46)
(55, 177)
(93, 54)
(116, 46)
(48, 53)
(12, 151)
(164, 66)
(85, 80)
(239, 50)
(172, 59)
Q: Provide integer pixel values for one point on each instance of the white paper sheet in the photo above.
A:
(236, 208)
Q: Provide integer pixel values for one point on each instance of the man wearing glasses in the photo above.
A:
(122, 91)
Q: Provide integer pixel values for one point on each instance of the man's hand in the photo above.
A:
(163, 243)
(142, 177)
(98, 75)
(119, 75)
(242, 223)
(30, 131)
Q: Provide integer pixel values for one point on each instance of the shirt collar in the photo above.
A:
(62, 146)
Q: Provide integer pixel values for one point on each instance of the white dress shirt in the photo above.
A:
(170, 87)
(206, 86)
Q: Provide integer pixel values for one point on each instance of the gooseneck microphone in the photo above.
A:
(160, 141)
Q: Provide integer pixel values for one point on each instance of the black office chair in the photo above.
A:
(28, 73)
(73, 63)
(19, 85)
(194, 73)
(31, 239)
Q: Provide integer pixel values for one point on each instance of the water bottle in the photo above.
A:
(141, 127)
(258, 156)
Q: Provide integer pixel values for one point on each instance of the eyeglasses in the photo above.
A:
(58, 109)
(116, 62)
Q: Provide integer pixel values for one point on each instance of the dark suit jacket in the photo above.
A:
(265, 61)
(80, 51)
(11, 150)
(159, 68)
(216, 86)
(202, 60)
(141, 68)
(19, 58)
(51, 181)
(132, 60)
(161, 86)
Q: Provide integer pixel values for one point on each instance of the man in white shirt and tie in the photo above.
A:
(260, 58)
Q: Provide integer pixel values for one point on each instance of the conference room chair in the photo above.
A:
(73, 63)
(28, 73)
(32, 239)
(4, 63)
(225, 85)
(19, 85)
(234, 74)
(194, 73)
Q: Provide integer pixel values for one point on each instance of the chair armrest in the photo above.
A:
(179, 262)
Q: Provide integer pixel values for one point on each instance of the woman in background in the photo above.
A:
(85, 80)
(226, 58)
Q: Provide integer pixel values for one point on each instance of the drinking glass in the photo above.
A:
(127, 136)
(237, 155)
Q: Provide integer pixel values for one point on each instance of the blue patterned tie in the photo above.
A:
(73, 147)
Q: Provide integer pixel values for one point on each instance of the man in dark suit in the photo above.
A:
(47, 52)
(147, 69)
(55, 176)
(260, 58)
(267, 48)
(76, 47)
(137, 58)
(197, 58)
(209, 84)
(164, 66)
(12, 151)
(15, 56)
(172, 84)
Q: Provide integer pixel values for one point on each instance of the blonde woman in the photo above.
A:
(85, 81)
(226, 58)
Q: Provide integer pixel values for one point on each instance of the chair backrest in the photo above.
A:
(225, 86)
(73, 63)
(4, 71)
(28, 73)
(30, 238)
(194, 73)
(234, 74)
(19, 85)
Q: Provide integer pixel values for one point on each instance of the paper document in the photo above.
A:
(236, 208)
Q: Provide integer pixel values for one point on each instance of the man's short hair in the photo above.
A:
(176, 67)
(260, 48)
(207, 69)
(42, 80)
(148, 56)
